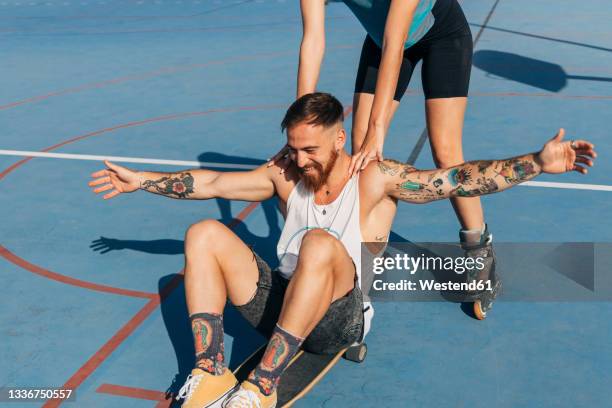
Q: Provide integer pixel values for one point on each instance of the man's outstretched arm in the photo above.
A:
(482, 177)
(196, 184)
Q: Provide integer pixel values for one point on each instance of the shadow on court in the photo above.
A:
(537, 73)
(215, 157)
(264, 246)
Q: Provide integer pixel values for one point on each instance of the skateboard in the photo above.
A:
(304, 371)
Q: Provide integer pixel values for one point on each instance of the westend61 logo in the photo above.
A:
(541, 272)
(412, 264)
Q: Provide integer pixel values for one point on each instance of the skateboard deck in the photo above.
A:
(305, 370)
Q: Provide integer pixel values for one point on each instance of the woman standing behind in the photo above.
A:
(400, 33)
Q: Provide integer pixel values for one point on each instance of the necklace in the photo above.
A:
(327, 192)
(338, 204)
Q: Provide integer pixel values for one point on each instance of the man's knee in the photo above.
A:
(319, 245)
(203, 234)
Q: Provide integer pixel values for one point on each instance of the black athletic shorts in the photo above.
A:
(446, 51)
(340, 327)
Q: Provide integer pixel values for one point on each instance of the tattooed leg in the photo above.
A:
(207, 331)
(281, 349)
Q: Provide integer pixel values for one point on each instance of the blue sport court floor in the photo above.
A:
(92, 296)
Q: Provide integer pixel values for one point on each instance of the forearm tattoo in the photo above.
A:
(393, 167)
(173, 185)
(469, 179)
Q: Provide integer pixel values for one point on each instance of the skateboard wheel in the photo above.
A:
(356, 353)
(478, 312)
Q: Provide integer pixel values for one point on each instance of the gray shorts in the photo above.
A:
(341, 326)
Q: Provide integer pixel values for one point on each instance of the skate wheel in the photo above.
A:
(478, 312)
(356, 353)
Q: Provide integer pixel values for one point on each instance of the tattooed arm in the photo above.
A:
(200, 184)
(482, 177)
(470, 179)
(197, 184)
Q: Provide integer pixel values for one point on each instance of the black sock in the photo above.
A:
(207, 331)
(281, 349)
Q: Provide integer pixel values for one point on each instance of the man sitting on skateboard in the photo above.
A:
(313, 300)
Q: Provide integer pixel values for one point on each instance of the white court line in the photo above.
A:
(126, 159)
(119, 159)
(550, 184)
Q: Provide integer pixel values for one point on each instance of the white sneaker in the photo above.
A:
(249, 396)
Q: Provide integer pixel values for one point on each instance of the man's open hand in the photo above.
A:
(282, 159)
(116, 178)
(558, 156)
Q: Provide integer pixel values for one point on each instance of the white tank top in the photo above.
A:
(339, 218)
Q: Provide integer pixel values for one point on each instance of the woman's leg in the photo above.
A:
(445, 126)
(447, 63)
(446, 70)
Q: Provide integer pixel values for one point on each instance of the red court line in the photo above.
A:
(131, 392)
(151, 74)
(347, 111)
(142, 76)
(164, 404)
(243, 214)
(11, 257)
(139, 393)
(162, 118)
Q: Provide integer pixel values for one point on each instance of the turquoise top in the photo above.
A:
(372, 14)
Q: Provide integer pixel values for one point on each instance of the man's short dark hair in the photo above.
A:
(316, 108)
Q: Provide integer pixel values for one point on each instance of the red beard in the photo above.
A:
(317, 176)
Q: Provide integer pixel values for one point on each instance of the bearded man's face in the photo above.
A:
(314, 151)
